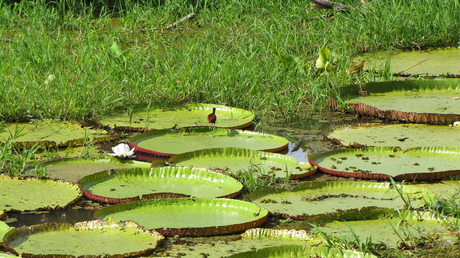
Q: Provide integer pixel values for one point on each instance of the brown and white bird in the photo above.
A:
(212, 119)
(173, 129)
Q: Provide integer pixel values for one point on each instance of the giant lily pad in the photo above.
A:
(429, 62)
(383, 163)
(189, 216)
(148, 118)
(398, 135)
(314, 198)
(126, 185)
(446, 189)
(302, 251)
(20, 194)
(393, 228)
(251, 239)
(170, 143)
(234, 160)
(52, 134)
(74, 169)
(4, 228)
(430, 102)
(84, 239)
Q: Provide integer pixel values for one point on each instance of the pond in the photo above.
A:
(304, 139)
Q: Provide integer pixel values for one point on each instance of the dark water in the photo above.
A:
(64, 215)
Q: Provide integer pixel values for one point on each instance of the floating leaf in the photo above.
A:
(126, 185)
(74, 169)
(51, 134)
(431, 63)
(409, 225)
(383, 163)
(426, 102)
(398, 135)
(234, 160)
(302, 251)
(170, 143)
(315, 198)
(184, 216)
(4, 228)
(251, 239)
(84, 239)
(155, 117)
(20, 194)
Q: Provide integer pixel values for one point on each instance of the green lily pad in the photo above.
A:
(4, 228)
(251, 239)
(234, 160)
(302, 251)
(381, 163)
(52, 134)
(428, 62)
(189, 216)
(408, 226)
(315, 198)
(154, 117)
(73, 169)
(170, 143)
(20, 194)
(426, 102)
(444, 189)
(398, 135)
(127, 185)
(84, 239)
(282, 234)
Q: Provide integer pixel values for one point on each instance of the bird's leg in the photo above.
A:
(213, 130)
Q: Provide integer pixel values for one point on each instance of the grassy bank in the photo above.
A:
(57, 61)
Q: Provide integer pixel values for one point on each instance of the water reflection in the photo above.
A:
(68, 216)
(298, 153)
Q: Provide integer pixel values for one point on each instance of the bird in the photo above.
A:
(173, 129)
(212, 119)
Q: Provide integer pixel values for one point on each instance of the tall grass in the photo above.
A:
(252, 54)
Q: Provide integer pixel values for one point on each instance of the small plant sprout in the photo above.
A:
(323, 62)
(122, 151)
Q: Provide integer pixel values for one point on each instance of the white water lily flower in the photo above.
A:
(457, 123)
(122, 150)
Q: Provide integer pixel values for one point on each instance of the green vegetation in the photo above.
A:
(76, 59)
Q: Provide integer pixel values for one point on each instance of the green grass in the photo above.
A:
(256, 55)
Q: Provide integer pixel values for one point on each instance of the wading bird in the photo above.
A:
(173, 129)
(212, 119)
